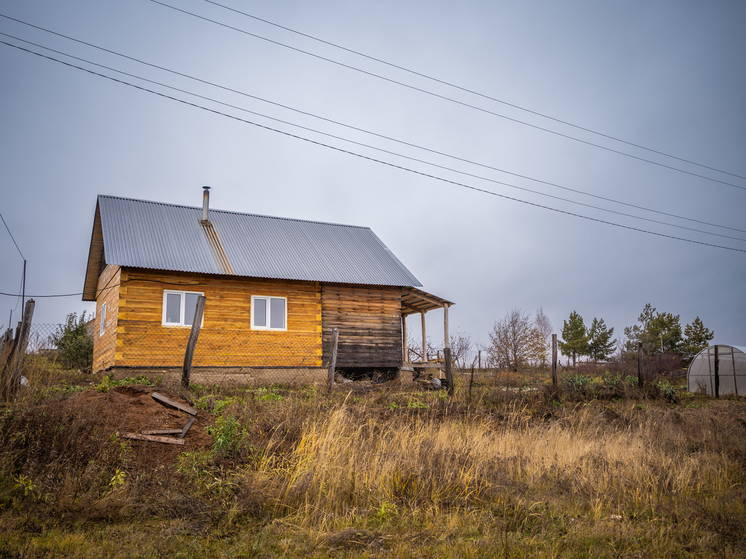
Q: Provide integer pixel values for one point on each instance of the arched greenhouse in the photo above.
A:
(728, 376)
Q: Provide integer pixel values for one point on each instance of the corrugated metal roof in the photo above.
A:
(143, 234)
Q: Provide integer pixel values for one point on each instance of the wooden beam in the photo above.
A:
(405, 348)
(150, 438)
(333, 363)
(168, 401)
(445, 328)
(424, 339)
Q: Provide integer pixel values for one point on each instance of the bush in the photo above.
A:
(74, 342)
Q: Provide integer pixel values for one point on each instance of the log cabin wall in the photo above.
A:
(226, 338)
(107, 291)
(369, 322)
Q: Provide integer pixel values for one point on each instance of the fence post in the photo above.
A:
(449, 370)
(333, 363)
(13, 374)
(554, 360)
(717, 373)
(186, 370)
(639, 365)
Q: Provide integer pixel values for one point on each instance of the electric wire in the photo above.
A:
(372, 159)
(450, 99)
(12, 238)
(457, 158)
(471, 91)
(442, 167)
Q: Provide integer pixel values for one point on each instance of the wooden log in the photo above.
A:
(168, 401)
(193, 336)
(150, 438)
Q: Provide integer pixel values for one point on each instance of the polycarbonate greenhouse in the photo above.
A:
(729, 377)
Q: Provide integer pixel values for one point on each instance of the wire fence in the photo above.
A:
(266, 357)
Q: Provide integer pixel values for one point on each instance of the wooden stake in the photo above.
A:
(449, 371)
(333, 363)
(13, 375)
(193, 336)
(554, 360)
(639, 365)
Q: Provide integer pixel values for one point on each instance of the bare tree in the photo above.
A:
(543, 327)
(513, 341)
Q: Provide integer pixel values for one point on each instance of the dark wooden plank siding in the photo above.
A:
(369, 322)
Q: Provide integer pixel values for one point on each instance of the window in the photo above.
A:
(179, 307)
(268, 313)
(102, 326)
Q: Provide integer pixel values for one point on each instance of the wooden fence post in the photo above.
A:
(717, 373)
(449, 370)
(333, 363)
(639, 365)
(554, 360)
(186, 370)
(13, 374)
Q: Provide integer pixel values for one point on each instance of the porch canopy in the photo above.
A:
(416, 301)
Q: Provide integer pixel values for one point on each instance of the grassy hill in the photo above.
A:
(595, 468)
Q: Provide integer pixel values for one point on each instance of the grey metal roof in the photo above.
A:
(143, 234)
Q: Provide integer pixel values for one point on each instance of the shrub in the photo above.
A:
(74, 342)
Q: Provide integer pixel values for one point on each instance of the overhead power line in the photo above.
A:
(471, 91)
(306, 113)
(452, 100)
(372, 159)
(443, 167)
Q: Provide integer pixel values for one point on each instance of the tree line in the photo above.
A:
(519, 340)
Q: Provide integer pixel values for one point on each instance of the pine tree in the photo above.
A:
(600, 344)
(574, 337)
(697, 337)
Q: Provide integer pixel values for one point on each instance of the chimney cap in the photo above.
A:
(206, 187)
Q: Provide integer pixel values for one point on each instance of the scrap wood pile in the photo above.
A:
(158, 425)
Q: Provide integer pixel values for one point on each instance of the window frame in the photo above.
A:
(268, 299)
(102, 320)
(182, 305)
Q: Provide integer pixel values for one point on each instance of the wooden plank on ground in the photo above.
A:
(151, 438)
(183, 432)
(161, 431)
(168, 401)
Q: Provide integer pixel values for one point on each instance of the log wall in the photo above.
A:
(369, 322)
(226, 338)
(107, 291)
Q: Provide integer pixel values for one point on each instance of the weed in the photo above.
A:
(110, 382)
(227, 436)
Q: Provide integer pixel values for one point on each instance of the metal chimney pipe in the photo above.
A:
(205, 203)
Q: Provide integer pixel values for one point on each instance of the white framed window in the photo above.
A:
(179, 307)
(268, 313)
(102, 321)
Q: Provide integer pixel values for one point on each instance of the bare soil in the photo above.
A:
(133, 409)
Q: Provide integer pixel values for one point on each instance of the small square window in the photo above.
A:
(179, 307)
(268, 313)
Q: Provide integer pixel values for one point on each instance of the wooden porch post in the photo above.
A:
(424, 338)
(445, 326)
(405, 348)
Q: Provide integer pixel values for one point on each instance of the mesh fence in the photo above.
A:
(264, 358)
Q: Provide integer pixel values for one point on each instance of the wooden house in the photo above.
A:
(275, 288)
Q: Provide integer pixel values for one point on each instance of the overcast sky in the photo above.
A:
(665, 78)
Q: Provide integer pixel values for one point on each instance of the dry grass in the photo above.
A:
(390, 474)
